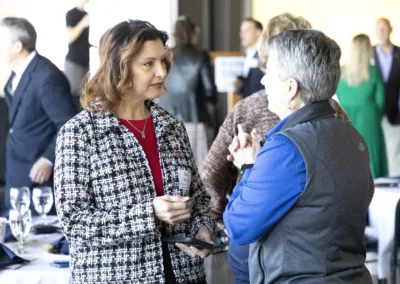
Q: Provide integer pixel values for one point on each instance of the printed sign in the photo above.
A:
(227, 68)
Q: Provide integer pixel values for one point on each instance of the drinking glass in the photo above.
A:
(42, 198)
(20, 198)
(20, 227)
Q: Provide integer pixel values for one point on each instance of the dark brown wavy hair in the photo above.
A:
(117, 49)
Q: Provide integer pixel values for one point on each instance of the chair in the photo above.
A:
(396, 243)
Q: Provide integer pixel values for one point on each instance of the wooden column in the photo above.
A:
(232, 99)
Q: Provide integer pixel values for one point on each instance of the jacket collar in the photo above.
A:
(308, 113)
(278, 127)
(109, 122)
(19, 69)
(22, 85)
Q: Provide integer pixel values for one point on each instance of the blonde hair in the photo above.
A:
(356, 70)
(276, 25)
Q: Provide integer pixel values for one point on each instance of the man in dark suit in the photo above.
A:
(39, 103)
(387, 59)
(250, 81)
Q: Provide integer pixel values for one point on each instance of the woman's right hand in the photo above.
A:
(173, 209)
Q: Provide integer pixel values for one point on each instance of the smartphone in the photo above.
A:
(188, 241)
(59, 263)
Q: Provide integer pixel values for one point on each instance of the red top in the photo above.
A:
(149, 145)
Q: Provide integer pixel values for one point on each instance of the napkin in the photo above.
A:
(8, 257)
(59, 246)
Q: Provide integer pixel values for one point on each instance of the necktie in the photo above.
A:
(9, 87)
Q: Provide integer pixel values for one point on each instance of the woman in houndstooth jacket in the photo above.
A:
(124, 171)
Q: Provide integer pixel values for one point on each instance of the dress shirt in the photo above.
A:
(19, 70)
(249, 61)
(385, 62)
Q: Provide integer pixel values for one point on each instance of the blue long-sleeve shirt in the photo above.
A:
(267, 191)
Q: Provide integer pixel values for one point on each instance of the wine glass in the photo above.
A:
(42, 198)
(20, 198)
(20, 227)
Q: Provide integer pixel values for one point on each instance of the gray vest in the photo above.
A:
(321, 239)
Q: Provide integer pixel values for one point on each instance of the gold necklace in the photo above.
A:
(140, 131)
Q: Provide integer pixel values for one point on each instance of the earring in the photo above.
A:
(289, 106)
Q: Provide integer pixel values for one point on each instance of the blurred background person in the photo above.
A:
(190, 87)
(387, 59)
(196, 35)
(249, 82)
(76, 64)
(39, 103)
(125, 171)
(362, 95)
(218, 174)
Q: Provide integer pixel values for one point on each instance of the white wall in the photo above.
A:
(339, 19)
(7, 9)
(105, 14)
(48, 17)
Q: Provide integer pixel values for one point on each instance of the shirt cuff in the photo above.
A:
(47, 161)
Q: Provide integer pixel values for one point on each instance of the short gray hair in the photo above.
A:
(21, 30)
(312, 59)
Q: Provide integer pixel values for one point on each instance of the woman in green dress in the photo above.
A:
(361, 94)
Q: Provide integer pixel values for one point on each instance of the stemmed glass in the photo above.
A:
(42, 198)
(20, 225)
(20, 198)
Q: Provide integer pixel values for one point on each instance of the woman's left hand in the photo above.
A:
(204, 234)
(244, 150)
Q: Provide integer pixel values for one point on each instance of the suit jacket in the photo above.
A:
(104, 193)
(39, 107)
(392, 86)
(252, 83)
(3, 136)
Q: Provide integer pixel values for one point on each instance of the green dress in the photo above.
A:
(364, 106)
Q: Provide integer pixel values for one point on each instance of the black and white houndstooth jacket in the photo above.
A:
(104, 192)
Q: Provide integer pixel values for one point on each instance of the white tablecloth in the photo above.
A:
(38, 271)
(382, 217)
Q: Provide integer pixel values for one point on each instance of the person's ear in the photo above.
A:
(293, 88)
(18, 47)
